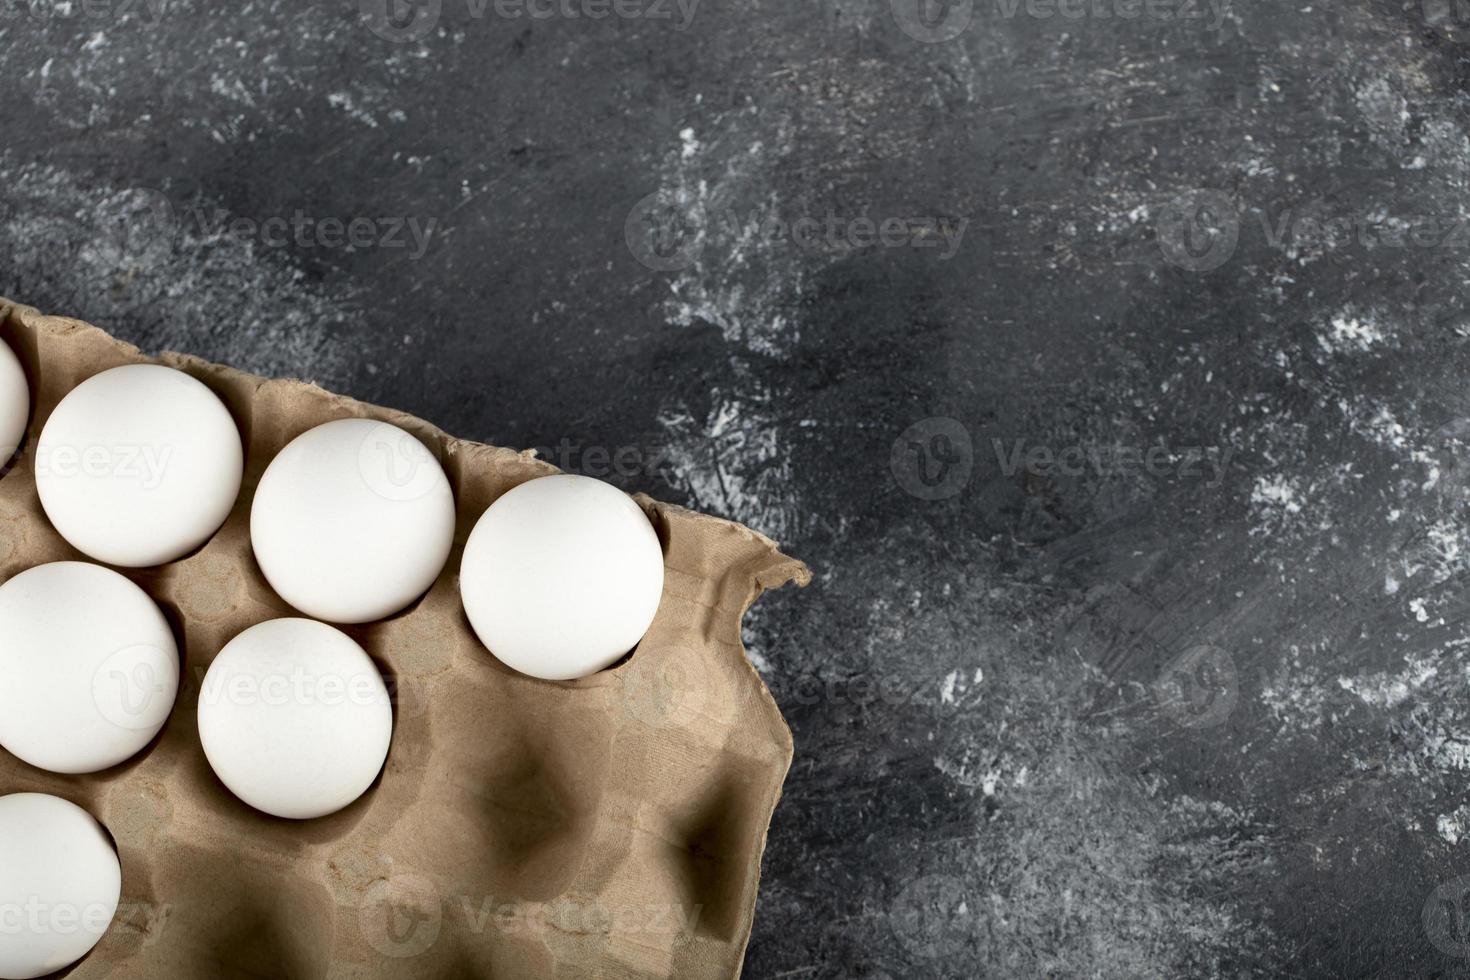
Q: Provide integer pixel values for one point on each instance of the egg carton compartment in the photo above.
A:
(608, 828)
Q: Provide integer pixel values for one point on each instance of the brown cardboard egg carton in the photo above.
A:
(607, 828)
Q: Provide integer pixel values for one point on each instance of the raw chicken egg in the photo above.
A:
(15, 403)
(353, 521)
(562, 576)
(88, 667)
(139, 465)
(295, 718)
(60, 882)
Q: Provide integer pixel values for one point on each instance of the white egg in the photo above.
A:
(353, 521)
(88, 667)
(562, 576)
(295, 718)
(60, 882)
(15, 403)
(139, 465)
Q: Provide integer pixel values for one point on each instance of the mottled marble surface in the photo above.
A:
(1128, 441)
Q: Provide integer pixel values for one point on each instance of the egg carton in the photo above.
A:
(608, 828)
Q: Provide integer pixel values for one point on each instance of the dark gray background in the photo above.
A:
(1118, 718)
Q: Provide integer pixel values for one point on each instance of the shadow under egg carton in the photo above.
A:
(610, 828)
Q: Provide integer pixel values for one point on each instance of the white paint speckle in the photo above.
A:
(1454, 826)
(1387, 690)
(1278, 493)
(690, 145)
(1420, 613)
(1350, 333)
(349, 105)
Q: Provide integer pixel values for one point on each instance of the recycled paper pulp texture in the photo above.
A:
(608, 828)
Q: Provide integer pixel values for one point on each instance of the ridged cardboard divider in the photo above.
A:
(606, 828)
